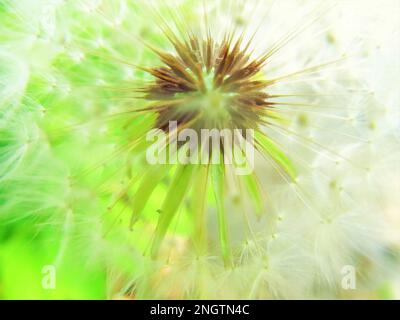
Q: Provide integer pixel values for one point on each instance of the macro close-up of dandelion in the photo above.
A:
(215, 149)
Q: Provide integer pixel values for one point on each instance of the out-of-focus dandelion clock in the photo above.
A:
(203, 149)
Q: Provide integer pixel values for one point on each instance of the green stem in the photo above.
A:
(218, 187)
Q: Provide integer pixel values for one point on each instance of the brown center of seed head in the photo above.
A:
(205, 85)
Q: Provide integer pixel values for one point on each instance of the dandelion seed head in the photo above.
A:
(84, 63)
(213, 84)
